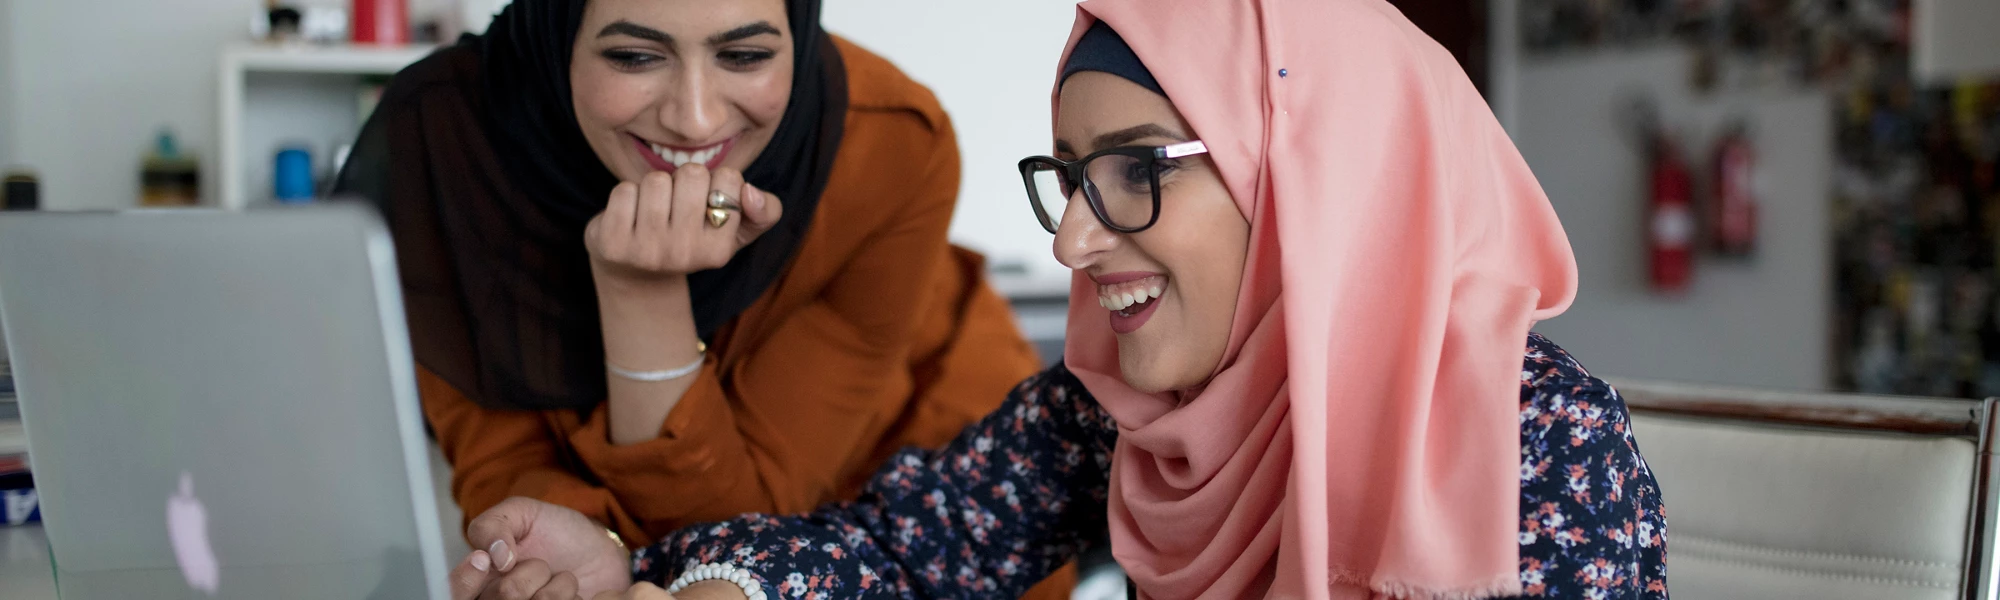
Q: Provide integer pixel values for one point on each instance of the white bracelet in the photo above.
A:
(656, 375)
(741, 577)
(700, 348)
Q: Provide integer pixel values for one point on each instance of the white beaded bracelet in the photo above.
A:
(707, 571)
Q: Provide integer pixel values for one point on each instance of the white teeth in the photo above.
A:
(1125, 300)
(679, 158)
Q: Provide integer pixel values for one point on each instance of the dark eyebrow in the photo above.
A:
(1124, 136)
(623, 27)
(1128, 135)
(743, 33)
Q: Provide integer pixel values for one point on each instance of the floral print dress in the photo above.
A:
(1023, 491)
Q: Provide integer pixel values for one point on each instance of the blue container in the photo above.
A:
(293, 176)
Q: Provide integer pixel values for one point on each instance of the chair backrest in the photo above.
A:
(1819, 495)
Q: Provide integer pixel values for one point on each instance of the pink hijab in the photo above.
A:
(1361, 435)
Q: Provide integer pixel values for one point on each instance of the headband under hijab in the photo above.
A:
(1101, 49)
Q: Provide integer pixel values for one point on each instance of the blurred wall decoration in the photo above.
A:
(1913, 205)
(1736, 43)
(1917, 219)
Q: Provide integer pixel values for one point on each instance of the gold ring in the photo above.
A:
(717, 217)
(719, 200)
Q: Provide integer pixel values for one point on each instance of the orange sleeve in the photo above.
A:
(496, 454)
(974, 355)
(806, 403)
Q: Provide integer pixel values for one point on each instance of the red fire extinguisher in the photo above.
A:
(1670, 218)
(1733, 220)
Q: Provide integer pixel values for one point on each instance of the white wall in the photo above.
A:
(992, 65)
(1954, 39)
(1761, 322)
(94, 81)
(8, 89)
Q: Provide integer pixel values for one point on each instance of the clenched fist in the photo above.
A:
(660, 226)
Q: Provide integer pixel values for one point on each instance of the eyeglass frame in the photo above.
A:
(1076, 171)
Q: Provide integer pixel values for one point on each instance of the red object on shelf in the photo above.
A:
(385, 22)
(1670, 220)
(1735, 220)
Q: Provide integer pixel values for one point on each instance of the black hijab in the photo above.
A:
(487, 182)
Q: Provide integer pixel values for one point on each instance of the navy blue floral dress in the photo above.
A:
(1023, 491)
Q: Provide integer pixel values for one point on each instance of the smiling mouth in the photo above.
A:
(668, 158)
(1132, 297)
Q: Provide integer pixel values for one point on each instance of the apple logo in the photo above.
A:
(187, 528)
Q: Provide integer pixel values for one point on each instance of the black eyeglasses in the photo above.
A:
(1128, 201)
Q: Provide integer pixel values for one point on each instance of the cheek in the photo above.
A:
(761, 101)
(607, 100)
(1204, 249)
(765, 97)
(767, 105)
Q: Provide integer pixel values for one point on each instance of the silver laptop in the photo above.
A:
(220, 404)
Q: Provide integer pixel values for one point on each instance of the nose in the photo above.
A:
(695, 110)
(1082, 240)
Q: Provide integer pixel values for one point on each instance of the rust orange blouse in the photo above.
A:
(880, 335)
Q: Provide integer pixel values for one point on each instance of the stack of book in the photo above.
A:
(18, 503)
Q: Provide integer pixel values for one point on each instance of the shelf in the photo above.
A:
(13, 438)
(274, 92)
(348, 59)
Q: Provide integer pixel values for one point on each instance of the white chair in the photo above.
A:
(1819, 495)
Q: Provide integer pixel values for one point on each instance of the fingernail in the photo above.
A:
(753, 198)
(501, 555)
(482, 561)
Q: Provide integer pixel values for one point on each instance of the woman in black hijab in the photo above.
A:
(666, 261)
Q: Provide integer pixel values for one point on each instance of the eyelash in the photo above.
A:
(734, 59)
(744, 59)
(626, 60)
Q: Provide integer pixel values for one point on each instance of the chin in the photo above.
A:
(1150, 374)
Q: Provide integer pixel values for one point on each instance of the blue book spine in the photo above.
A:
(19, 507)
(18, 503)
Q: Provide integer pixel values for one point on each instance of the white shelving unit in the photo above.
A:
(272, 95)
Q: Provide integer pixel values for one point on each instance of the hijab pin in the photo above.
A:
(1282, 73)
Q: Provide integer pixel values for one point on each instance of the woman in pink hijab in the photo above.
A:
(1299, 365)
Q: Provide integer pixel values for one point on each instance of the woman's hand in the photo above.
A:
(702, 590)
(638, 591)
(651, 234)
(659, 226)
(530, 579)
(531, 549)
